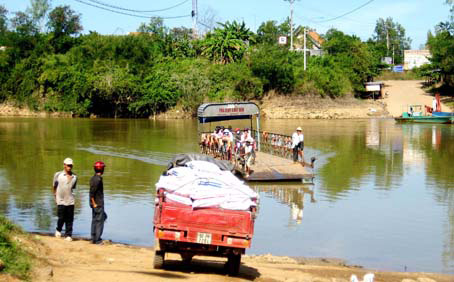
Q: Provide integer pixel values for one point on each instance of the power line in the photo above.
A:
(348, 13)
(331, 15)
(137, 11)
(316, 24)
(128, 14)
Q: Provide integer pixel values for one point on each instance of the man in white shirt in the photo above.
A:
(64, 183)
(245, 136)
(298, 145)
(434, 105)
(248, 155)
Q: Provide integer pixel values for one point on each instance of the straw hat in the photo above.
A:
(299, 129)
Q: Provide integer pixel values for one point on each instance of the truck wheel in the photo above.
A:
(158, 262)
(233, 264)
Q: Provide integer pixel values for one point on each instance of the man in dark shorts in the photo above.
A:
(64, 183)
(298, 145)
(97, 203)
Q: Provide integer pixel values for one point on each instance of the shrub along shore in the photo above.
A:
(14, 260)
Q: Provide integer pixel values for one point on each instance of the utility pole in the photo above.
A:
(305, 55)
(387, 40)
(194, 15)
(393, 54)
(291, 22)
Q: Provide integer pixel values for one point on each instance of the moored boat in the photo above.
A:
(415, 114)
(425, 119)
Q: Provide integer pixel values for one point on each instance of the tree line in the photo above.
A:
(441, 45)
(46, 63)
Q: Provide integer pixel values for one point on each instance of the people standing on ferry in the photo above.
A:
(248, 155)
(245, 136)
(298, 145)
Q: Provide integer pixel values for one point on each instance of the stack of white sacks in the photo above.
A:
(202, 184)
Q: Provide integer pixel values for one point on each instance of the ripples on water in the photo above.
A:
(383, 195)
(156, 158)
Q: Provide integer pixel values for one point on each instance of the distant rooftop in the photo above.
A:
(316, 37)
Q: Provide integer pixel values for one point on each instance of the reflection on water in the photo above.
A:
(383, 195)
(291, 195)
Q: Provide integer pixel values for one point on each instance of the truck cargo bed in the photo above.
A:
(213, 226)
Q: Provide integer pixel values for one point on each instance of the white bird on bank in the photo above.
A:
(369, 277)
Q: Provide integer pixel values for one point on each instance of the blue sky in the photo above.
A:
(417, 16)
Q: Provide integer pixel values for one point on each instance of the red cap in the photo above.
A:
(99, 165)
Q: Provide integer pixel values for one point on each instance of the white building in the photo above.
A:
(416, 58)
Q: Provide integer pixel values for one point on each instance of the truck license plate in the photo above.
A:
(204, 238)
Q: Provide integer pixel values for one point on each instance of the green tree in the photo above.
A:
(159, 92)
(23, 39)
(179, 43)
(268, 33)
(325, 77)
(3, 20)
(274, 67)
(181, 33)
(23, 24)
(354, 57)
(63, 23)
(227, 43)
(155, 26)
(390, 39)
(441, 47)
(451, 3)
(114, 89)
(38, 10)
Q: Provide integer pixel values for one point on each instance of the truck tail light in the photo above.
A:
(238, 241)
(169, 235)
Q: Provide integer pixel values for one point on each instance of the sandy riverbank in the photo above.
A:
(8, 110)
(277, 107)
(402, 93)
(59, 260)
(300, 107)
(399, 94)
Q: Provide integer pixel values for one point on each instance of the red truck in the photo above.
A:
(216, 232)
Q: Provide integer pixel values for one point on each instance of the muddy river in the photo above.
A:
(383, 196)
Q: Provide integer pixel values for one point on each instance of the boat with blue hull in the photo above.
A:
(415, 114)
(443, 114)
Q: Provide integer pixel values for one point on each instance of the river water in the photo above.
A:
(383, 195)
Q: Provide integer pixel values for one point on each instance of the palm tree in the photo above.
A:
(227, 43)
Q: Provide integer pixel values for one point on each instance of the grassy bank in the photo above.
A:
(15, 261)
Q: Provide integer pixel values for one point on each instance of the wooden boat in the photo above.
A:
(415, 114)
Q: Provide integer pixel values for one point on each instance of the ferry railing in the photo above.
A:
(274, 143)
